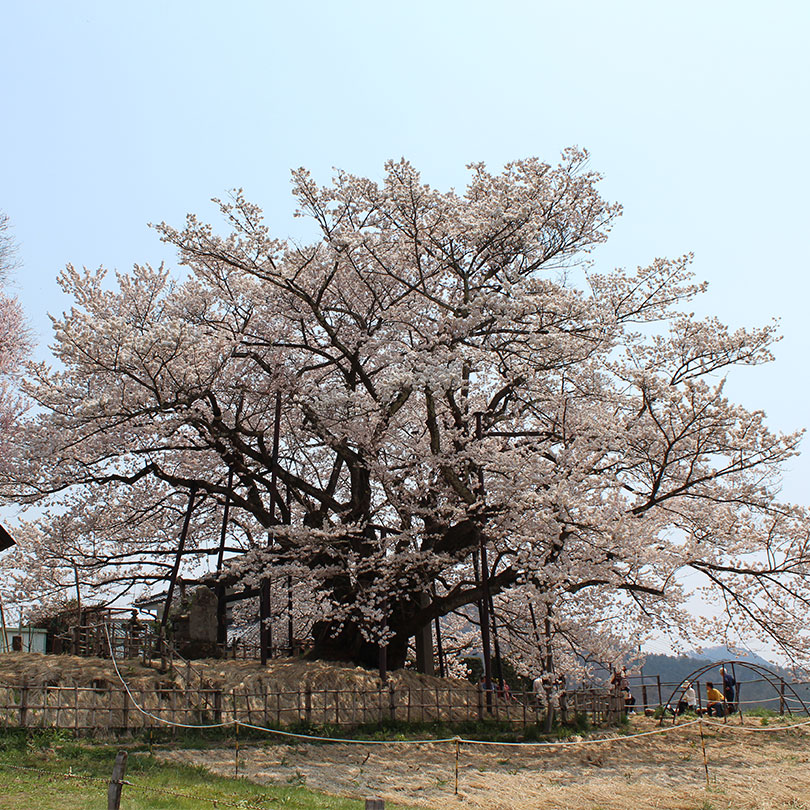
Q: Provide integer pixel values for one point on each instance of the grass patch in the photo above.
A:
(33, 768)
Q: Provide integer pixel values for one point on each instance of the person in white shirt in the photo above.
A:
(688, 699)
(539, 691)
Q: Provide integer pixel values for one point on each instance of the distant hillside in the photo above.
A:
(723, 653)
(755, 689)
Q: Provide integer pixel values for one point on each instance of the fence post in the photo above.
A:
(392, 700)
(375, 804)
(644, 695)
(217, 705)
(660, 698)
(308, 704)
(117, 782)
(781, 696)
(24, 702)
(480, 702)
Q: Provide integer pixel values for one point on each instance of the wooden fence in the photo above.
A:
(107, 707)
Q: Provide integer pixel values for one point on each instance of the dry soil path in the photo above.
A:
(755, 769)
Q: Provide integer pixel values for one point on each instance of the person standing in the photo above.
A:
(729, 684)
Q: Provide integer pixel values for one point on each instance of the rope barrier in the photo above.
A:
(757, 728)
(45, 772)
(599, 741)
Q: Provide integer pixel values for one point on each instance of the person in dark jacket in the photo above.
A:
(729, 684)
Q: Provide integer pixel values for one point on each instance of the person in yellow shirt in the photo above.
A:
(716, 701)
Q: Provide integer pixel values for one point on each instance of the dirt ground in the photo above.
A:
(754, 769)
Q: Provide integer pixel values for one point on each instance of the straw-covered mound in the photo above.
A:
(89, 693)
(286, 674)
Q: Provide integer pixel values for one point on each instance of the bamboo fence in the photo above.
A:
(109, 707)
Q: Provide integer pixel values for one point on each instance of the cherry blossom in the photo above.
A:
(454, 377)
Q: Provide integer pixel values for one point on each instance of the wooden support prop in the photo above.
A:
(375, 804)
(178, 556)
(222, 621)
(117, 781)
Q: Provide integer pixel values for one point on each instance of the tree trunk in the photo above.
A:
(424, 642)
(348, 644)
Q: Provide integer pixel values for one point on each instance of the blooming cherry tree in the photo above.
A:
(464, 407)
(14, 341)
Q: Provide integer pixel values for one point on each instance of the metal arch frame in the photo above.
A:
(760, 670)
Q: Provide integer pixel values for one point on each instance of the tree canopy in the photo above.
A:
(453, 377)
(14, 341)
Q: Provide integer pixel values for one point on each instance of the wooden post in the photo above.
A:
(439, 648)
(644, 695)
(781, 696)
(308, 704)
(218, 706)
(24, 703)
(660, 699)
(392, 701)
(375, 804)
(125, 711)
(265, 622)
(222, 606)
(117, 782)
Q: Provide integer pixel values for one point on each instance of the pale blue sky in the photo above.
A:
(117, 114)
